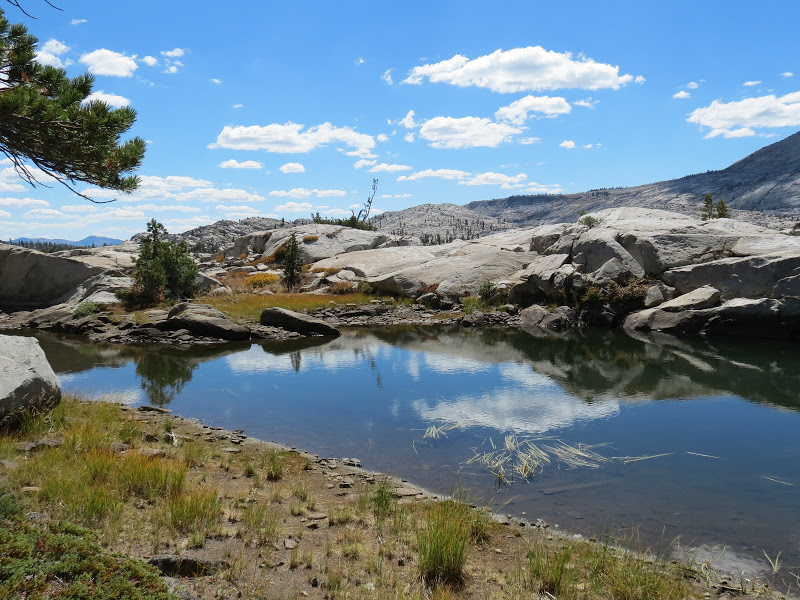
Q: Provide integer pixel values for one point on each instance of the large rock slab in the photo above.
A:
(31, 279)
(27, 382)
(294, 321)
(202, 320)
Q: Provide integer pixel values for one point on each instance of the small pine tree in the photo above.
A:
(722, 210)
(707, 212)
(163, 269)
(291, 263)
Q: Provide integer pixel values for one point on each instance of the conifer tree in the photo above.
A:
(722, 210)
(291, 263)
(707, 212)
(46, 123)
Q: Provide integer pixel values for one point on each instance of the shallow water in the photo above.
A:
(725, 415)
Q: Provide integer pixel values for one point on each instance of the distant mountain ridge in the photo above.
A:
(438, 223)
(762, 188)
(97, 240)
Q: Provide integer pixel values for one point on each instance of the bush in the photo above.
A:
(486, 289)
(84, 309)
(589, 221)
(261, 280)
(307, 239)
(443, 543)
(342, 287)
(163, 269)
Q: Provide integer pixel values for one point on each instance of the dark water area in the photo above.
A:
(697, 440)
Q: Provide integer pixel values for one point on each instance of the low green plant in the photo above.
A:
(259, 522)
(85, 308)
(274, 463)
(308, 239)
(486, 289)
(261, 280)
(383, 500)
(442, 542)
(194, 511)
(589, 221)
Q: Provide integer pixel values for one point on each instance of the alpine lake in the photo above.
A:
(687, 446)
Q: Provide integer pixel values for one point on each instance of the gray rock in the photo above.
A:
(293, 321)
(27, 382)
(704, 297)
(563, 317)
(475, 319)
(202, 320)
(430, 300)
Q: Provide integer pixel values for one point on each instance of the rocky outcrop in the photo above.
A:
(298, 322)
(202, 320)
(316, 241)
(27, 382)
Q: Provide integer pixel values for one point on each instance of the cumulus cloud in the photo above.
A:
(522, 69)
(364, 162)
(174, 53)
(243, 208)
(507, 182)
(408, 121)
(11, 187)
(294, 207)
(50, 54)
(4, 213)
(387, 76)
(389, 168)
(787, 74)
(293, 167)
(148, 208)
(438, 173)
(22, 202)
(77, 21)
(79, 208)
(235, 164)
(751, 83)
(306, 193)
(217, 195)
(110, 99)
(586, 103)
(151, 186)
(387, 196)
(382, 137)
(150, 61)
(336, 211)
(108, 62)
(43, 212)
(639, 79)
(739, 118)
(567, 144)
(692, 85)
(519, 111)
(290, 138)
(409, 137)
(215, 80)
(538, 188)
(238, 105)
(529, 140)
(466, 132)
(681, 95)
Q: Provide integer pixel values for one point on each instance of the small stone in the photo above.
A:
(289, 544)
(346, 484)
(231, 450)
(27, 446)
(154, 453)
(498, 551)
(119, 446)
(9, 464)
(312, 525)
(155, 409)
(29, 489)
(404, 492)
(330, 486)
(51, 442)
(316, 516)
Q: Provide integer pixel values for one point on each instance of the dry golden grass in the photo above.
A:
(246, 308)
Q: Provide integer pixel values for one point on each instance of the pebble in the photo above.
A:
(231, 450)
(289, 544)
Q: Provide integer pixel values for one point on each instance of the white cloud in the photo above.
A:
(241, 209)
(122, 213)
(110, 99)
(80, 208)
(364, 163)
(409, 137)
(681, 95)
(22, 202)
(329, 193)
(588, 146)
(517, 112)
(235, 164)
(293, 167)
(730, 133)
(567, 144)
(692, 85)
(215, 80)
(382, 137)
(389, 168)
(529, 140)
(751, 83)
(359, 61)
(151, 186)
(787, 74)
(387, 76)
(293, 193)
(216, 195)
(43, 212)
(11, 187)
(738, 118)
(387, 196)
(150, 61)
(439, 173)
(77, 21)
(108, 62)
(336, 211)
(466, 132)
(639, 79)
(587, 103)
(294, 207)
(163, 208)
(174, 53)
(354, 206)
(4, 213)
(50, 54)
(182, 224)
(408, 121)
(238, 105)
(289, 139)
(171, 69)
(538, 188)
(522, 69)
(507, 182)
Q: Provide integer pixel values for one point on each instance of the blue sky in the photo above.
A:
(283, 109)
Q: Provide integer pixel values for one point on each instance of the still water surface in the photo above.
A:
(725, 415)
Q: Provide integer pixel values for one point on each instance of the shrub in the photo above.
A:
(308, 239)
(443, 542)
(486, 289)
(84, 309)
(261, 280)
(589, 221)
(342, 287)
(163, 269)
